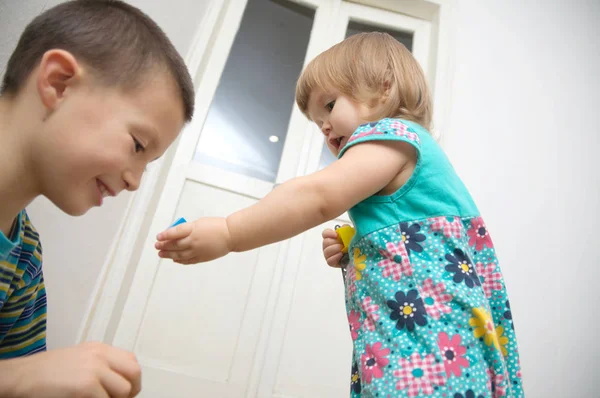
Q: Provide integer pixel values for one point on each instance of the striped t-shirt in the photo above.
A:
(22, 292)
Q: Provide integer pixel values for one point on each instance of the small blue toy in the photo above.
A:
(180, 221)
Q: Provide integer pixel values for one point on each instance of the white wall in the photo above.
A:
(524, 135)
(75, 248)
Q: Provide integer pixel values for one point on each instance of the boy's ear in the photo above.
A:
(58, 71)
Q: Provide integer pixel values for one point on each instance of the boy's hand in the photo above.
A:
(332, 248)
(194, 242)
(85, 370)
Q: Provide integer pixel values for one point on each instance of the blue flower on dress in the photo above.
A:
(355, 379)
(407, 310)
(411, 237)
(462, 268)
(372, 124)
(508, 314)
(467, 394)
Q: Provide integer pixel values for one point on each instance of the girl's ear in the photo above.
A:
(387, 87)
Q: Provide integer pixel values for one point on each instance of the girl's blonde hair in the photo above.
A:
(369, 67)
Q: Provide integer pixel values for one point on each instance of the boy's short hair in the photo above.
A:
(364, 67)
(116, 40)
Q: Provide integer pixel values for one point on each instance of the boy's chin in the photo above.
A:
(72, 208)
(76, 213)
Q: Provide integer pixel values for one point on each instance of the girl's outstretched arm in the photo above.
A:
(293, 207)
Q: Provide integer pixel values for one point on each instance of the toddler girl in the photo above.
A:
(426, 301)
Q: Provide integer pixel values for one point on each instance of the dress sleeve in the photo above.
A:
(383, 130)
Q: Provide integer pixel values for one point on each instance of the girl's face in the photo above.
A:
(337, 115)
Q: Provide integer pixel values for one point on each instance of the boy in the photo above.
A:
(92, 93)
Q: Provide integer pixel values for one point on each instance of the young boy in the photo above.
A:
(93, 92)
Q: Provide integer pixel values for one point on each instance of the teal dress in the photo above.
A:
(427, 307)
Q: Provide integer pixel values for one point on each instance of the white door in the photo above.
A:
(269, 322)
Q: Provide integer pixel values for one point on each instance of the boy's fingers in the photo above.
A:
(178, 232)
(115, 384)
(125, 363)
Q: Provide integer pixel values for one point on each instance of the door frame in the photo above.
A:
(144, 215)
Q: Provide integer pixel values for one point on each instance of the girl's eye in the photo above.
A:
(138, 146)
(330, 105)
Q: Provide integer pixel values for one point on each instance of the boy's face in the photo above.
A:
(98, 140)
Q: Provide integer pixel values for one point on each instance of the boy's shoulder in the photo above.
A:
(23, 244)
(22, 292)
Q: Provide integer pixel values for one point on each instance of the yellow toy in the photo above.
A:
(345, 235)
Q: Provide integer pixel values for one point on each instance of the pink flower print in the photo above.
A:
(478, 234)
(396, 261)
(355, 137)
(491, 280)
(354, 322)
(351, 280)
(450, 226)
(372, 314)
(419, 374)
(496, 383)
(374, 361)
(401, 130)
(453, 354)
(519, 373)
(435, 299)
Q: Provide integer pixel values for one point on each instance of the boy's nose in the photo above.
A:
(326, 128)
(132, 180)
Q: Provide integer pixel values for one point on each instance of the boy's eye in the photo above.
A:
(138, 146)
(330, 105)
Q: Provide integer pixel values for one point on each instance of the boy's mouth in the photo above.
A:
(104, 190)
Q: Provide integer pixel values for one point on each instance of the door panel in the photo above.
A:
(317, 350)
(203, 320)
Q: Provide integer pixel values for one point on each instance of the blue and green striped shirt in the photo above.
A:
(22, 291)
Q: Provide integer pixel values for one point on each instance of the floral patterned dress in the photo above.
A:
(427, 307)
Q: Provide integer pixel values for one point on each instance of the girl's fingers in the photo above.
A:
(330, 242)
(329, 233)
(178, 232)
(332, 250)
(334, 261)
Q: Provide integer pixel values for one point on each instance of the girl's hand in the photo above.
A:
(199, 241)
(332, 248)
